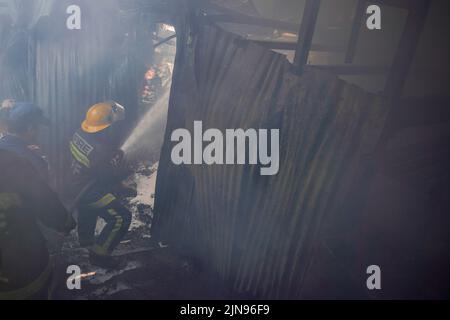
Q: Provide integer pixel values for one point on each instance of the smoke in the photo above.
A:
(146, 140)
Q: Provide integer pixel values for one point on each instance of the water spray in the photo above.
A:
(146, 139)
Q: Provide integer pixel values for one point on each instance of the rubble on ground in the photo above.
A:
(152, 270)
(137, 240)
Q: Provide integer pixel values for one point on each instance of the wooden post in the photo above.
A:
(407, 47)
(306, 33)
(403, 59)
(356, 28)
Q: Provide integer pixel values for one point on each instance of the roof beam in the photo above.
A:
(285, 45)
(165, 40)
(236, 17)
(353, 69)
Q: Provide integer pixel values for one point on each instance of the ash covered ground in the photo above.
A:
(153, 271)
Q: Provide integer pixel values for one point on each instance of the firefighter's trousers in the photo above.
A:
(116, 216)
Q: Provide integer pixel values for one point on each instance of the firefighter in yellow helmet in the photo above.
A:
(97, 172)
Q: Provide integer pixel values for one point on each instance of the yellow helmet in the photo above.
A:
(102, 116)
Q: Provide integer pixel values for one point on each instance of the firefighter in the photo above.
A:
(23, 122)
(26, 200)
(97, 172)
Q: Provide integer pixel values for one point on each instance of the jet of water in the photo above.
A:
(145, 141)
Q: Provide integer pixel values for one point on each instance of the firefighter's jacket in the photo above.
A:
(96, 165)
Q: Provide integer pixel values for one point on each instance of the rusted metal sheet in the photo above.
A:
(258, 232)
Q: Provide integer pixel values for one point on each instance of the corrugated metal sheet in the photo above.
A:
(257, 232)
(66, 71)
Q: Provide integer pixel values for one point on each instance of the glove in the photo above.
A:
(118, 159)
